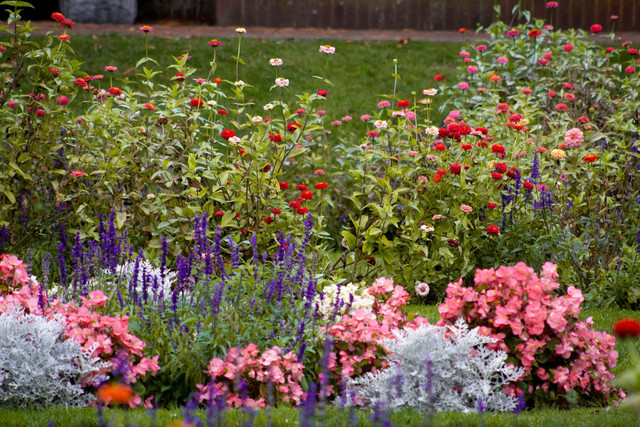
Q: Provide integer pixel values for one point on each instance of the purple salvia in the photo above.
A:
(217, 298)
(163, 260)
(216, 251)
(76, 261)
(62, 265)
(145, 284)
(303, 347)
(235, 255)
(46, 268)
(133, 282)
(309, 406)
(535, 169)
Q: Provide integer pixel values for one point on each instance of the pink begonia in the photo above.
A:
(537, 327)
(109, 337)
(282, 370)
(356, 337)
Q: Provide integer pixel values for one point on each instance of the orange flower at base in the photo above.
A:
(118, 394)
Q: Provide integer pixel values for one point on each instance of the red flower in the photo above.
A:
(266, 169)
(322, 93)
(54, 70)
(513, 172)
(466, 147)
(218, 213)
(437, 77)
(496, 175)
(627, 328)
(302, 210)
(589, 158)
(227, 133)
(222, 112)
(40, 112)
(57, 16)
(501, 167)
(373, 133)
(301, 187)
(149, 106)
(68, 23)
(291, 127)
(440, 147)
(295, 204)
(462, 30)
(497, 149)
(437, 178)
(403, 104)
(561, 107)
(276, 211)
(214, 43)
(596, 28)
(217, 80)
(321, 185)
(307, 195)
(268, 220)
(112, 90)
(493, 230)
(441, 172)
(197, 102)
(534, 33)
(491, 205)
(81, 82)
(453, 243)
(371, 260)
(276, 137)
(455, 168)
(162, 120)
(179, 77)
(527, 186)
(64, 37)
(283, 185)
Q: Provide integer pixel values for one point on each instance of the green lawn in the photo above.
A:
(359, 71)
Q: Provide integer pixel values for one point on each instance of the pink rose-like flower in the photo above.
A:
(365, 117)
(466, 209)
(502, 60)
(471, 69)
(383, 104)
(454, 114)
(513, 33)
(567, 47)
(573, 138)
(481, 48)
(463, 85)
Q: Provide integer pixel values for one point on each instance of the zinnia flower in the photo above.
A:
(119, 394)
(329, 50)
(57, 16)
(196, 102)
(146, 28)
(590, 158)
(493, 230)
(627, 328)
(282, 82)
(596, 28)
(534, 33)
(422, 289)
(573, 138)
(227, 133)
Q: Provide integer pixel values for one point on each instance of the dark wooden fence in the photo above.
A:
(373, 14)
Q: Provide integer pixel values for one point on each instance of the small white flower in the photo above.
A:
(256, 119)
(398, 113)
(268, 107)
(239, 83)
(234, 140)
(380, 124)
(276, 62)
(282, 82)
(430, 92)
(241, 30)
(432, 130)
(330, 50)
(151, 196)
(426, 228)
(212, 103)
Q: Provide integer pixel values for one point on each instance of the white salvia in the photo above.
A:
(38, 367)
(327, 304)
(463, 370)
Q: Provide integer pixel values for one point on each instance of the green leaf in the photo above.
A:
(351, 239)
(227, 218)
(121, 217)
(16, 4)
(10, 196)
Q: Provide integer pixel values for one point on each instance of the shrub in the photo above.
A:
(39, 367)
(438, 368)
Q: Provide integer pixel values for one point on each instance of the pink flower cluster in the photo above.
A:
(357, 336)
(283, 371)
(539, 328)
(14, 273)
(108, 336)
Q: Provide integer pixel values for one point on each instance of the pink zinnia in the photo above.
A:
(471, 69)
(573, 138)
(365, 117)
(463, 85)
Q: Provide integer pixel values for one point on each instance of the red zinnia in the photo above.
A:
(589, 158)
(268, 220)
(276, 137)
(307, 195)
(57, 16)
(301, 187)
(466, 147)
(627, 328)
(403, 104)
(295, 204)
(276, 211)
(179, 77)
(197, 102)
(217, 80)
(501, 167)
(321, 185)
(227, 133)
(455, 168)
(497, 149)
(437, 77)
(491, 205)
(291, 127)
(440, 147)
(112, 90)
(534, 33)
(302, 210)
(496, 175)
(437, 178)
(218, 213)
(283, 185)
(322, 93)
(596, 28)
(493, 230)
(527, 186)
(222, 112)
(441, 172)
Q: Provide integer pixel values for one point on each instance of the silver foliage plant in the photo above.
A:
(436, 368)
(38, 367)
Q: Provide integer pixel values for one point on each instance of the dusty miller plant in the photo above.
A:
(438, 368)
(38, 367)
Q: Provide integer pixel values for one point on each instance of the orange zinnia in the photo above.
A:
(115, 393)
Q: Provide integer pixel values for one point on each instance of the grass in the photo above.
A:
(73, 417)
(359, 71)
